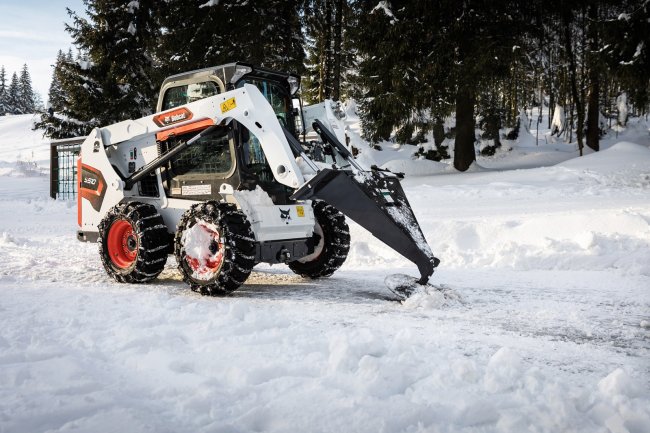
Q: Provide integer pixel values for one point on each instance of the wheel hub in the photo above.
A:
(204, 250)
(122, 244)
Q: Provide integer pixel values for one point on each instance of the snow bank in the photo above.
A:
(622, 158)
(418, 167)
(589, 213)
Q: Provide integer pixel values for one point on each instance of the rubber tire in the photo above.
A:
(152, 246)
(239, 258)
(336, 238)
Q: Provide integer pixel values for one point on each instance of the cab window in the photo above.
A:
(211, 154)
(181, 95)
(277, 97)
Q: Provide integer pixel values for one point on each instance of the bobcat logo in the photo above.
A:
(285, 215)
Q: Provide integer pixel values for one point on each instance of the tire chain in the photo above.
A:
(336, 243)
(239, 252)
(150, 229)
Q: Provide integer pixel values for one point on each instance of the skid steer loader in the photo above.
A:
(218, 178)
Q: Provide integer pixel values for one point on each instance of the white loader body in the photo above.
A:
(128, 146)
(219, 177)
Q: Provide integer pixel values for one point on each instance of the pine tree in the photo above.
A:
(192, 42)
(383, 40)
(265, 33)
(625, 41)
(117, 68)
(404, 83)
(283, 45)
(56, 96)
(13, 96)
(27, 102)
(327, 24)
(3, 91)
(67, 114)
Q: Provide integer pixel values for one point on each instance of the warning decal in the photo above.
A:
(228, 105)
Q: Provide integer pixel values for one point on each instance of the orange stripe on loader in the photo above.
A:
(190, 127)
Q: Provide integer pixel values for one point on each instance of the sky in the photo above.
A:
(32, 32)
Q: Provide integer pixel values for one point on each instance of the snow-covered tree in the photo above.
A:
(67, 114)
(627, 47)
(13, 95)
(26, 98)
(327, 26)
(265, 33)
(56, 95)
(3, 91)
(116, 70)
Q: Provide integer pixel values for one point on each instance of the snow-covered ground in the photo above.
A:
(547, 328)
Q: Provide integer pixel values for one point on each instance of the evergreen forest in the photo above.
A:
(409, 65)
(16, 93)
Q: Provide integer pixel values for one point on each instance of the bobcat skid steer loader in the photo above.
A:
(218, 178)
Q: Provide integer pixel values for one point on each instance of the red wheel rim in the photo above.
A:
(205, 257)
(122, 244)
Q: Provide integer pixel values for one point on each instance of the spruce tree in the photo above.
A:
(67, 115)
(283, 45)
(3, 91)
(56, 96)
(625, 43)
(27, 102)
(13, 96)
(117, 66)
(195, 41)
(403, 81)
(327, 25)
(265, 33)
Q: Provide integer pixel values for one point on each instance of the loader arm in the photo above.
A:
(245, 105)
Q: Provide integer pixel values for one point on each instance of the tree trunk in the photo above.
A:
(328, 49)
(438, 132)
(338, 47)
(464, 153)
(568, 46)
(593, 113)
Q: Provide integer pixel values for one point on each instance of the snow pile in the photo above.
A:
(249, 200)
(432, 297)
(622, 158)
(417, 167)
(588, 213)
(204, 249)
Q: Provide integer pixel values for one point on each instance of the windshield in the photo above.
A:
(181, 95)
(277, 97)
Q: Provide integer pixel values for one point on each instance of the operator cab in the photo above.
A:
(231, 154)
